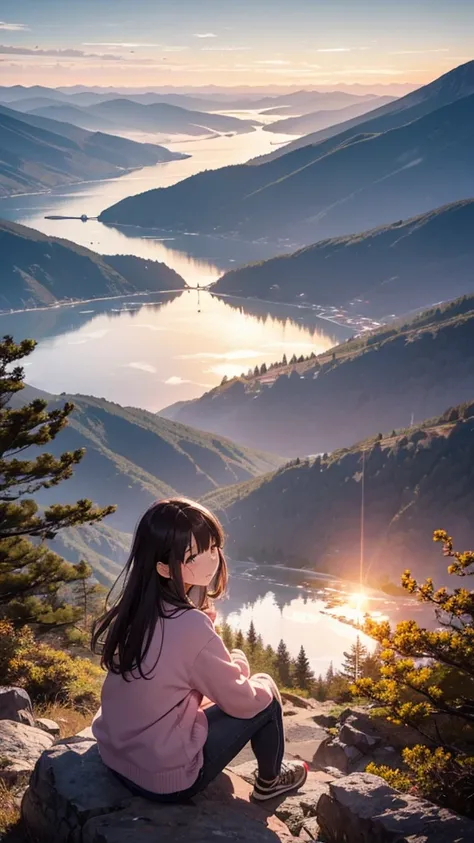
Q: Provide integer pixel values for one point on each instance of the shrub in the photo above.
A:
(49, 675)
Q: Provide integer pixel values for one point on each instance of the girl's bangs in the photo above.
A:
(206, 532)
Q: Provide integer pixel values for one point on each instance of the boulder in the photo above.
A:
(73, 798)
(366, 722)
(294, 699)
(48, 726)
(15, 705)
(362, 808)
(333, 752)
(20, 748)
(325, 721)
(294, 810)
(365, 740)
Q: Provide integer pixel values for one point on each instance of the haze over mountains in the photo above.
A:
(383, 380)
(349, 182)
(320, 119)
(38, 154)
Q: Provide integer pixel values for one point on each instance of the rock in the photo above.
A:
(295, 700)
(15, 705)
(362, 808)
(20, 748)
(325, 721)
(364, 740)
(73, 798)
(389, 734)
(48, 726)
(333, 752)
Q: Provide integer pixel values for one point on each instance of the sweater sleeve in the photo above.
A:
(239, 657)
(217, 676)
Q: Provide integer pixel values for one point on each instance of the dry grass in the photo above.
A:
(69, 720)
(9, 810)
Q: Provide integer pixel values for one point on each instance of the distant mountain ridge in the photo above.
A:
(37, 154)
(376, 382)
(37, 271)
(391, 269)
(121, 113)
(341, 185)
(315, 120)
(308, 513)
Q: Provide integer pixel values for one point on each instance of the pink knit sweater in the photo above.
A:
(152, 731)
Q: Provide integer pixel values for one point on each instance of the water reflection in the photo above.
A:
(150, 351)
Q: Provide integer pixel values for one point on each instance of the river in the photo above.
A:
(150, 351)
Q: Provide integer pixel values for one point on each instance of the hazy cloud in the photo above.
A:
(224, 49)
(272, 61)
(143, 367)
(117, 44)
(64, 54)
(205, 35)
(334, 50)
(418, 52)
(13, 27)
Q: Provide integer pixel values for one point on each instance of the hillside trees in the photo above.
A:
(36, 585)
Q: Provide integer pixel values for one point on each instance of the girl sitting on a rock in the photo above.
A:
(164, 657)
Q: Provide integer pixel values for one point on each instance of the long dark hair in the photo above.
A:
(164, 534)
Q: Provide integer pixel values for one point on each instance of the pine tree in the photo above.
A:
(294, 359)
(252, 639)
(263, 369)
(303, 674)
(284, 362)
(353, 665)
(239, 640)
(227, 635)
(330, 673)
(33, 577)
(320, 689)
(256, 371)
(283, 665)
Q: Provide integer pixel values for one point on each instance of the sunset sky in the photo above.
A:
(232, 42)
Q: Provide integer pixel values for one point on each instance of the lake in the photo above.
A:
(281, 607)
(150, 351)
(197, 259)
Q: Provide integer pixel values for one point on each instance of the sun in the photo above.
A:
(358, 603)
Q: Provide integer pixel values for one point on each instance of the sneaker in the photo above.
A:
(293, 775)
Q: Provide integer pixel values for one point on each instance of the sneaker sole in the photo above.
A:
(259, 797)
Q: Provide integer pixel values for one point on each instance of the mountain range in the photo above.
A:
(294, 102)
(133, 457)
(38, 270)
(313, 121)
(424, 158)
(125, 114)
(382, 380)
(388, 270)
(38, 154)
(307, 514)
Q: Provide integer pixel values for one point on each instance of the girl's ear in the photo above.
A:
(163, 570)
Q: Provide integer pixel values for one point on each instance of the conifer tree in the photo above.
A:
(320, 689)
(283, 665)
(354, 660)
(252, 637)
(303, 674)
(31, 575)
(330, 673)
(239, 640)
(227, 635)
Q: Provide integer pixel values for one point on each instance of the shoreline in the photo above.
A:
(75, 302)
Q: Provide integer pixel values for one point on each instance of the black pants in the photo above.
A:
(227, 736)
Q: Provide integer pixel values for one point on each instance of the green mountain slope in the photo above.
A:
(308, 513)
(38, 154)
(133, 457)
(377, 382)
(363, 182)
(390, 269)
(37, 270)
